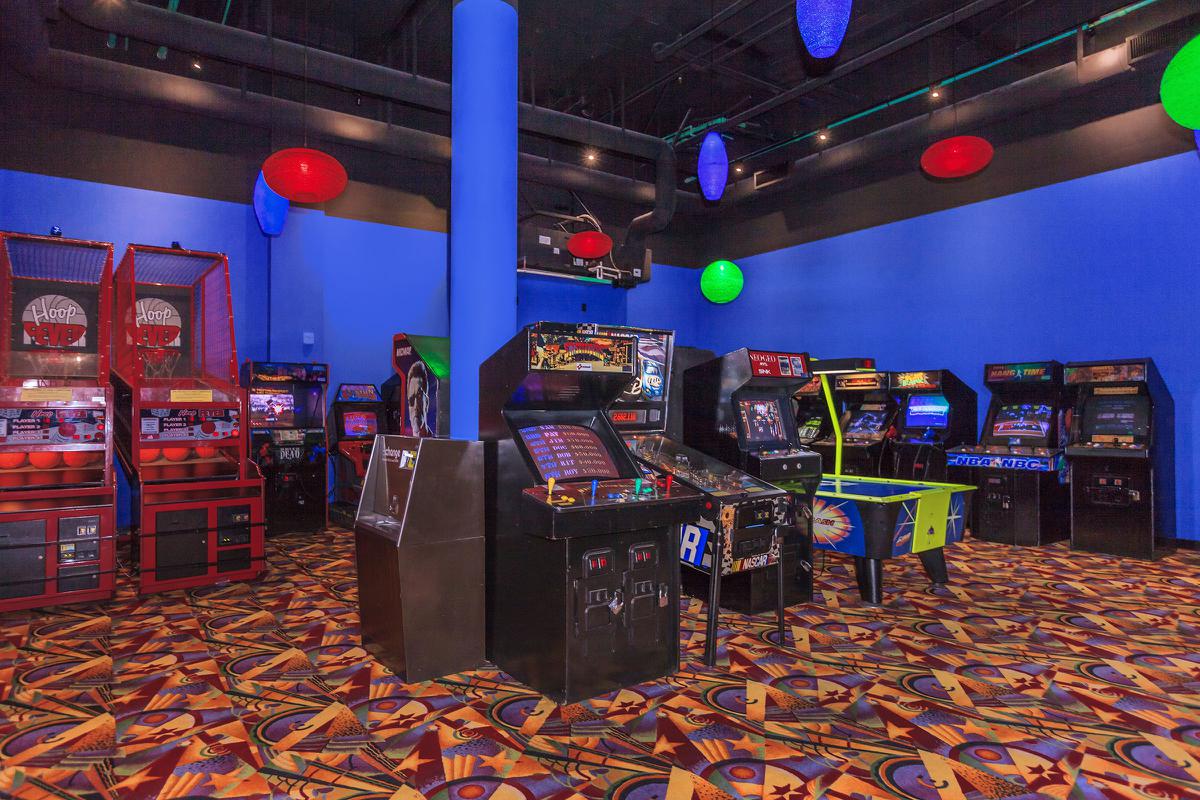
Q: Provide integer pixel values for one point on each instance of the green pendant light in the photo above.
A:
(721, 281)
(1180, 89)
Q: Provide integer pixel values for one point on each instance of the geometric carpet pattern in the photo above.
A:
(1036, 673)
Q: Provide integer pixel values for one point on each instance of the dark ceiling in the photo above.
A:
(671, 68)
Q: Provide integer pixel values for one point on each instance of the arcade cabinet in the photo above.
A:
(56, 482)
(196, 500)
(738, 409)
(419, 546)
(583, 582)
(1122, 459)
(287, 442)
(357, 411)
(1018, 466)
(845, 414)
(743, 517)
(937, 412)
(417, 396)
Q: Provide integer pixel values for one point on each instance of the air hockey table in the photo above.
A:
(874, 519)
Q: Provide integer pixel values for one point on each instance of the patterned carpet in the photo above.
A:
(1036, 674)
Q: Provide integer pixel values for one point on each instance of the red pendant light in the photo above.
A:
(304, 175)
(957, 157)
(590, 245)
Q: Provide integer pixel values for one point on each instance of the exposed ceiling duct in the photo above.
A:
(178, 31)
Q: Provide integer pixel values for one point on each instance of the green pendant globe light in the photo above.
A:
(1180, 88)
(721, 282)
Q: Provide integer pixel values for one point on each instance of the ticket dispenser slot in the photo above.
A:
(643, 589)
(599, 601)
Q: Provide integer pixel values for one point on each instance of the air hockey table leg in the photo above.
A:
(870, 579)
(934, 562)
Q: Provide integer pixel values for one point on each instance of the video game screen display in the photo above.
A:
(1022, 421)
(1126, 417)
(865, 423)
(927, 411)
(568, 452)
(762, 421)
(359, 423)
(810, 428)
(272, 410)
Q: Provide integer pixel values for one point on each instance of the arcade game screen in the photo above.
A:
(272, 410)
(568, 452)
(762, 421)
(810, 428)
(1028, 420)
(359, 423)
(927, 411)
(865, 423)
(1117, 417)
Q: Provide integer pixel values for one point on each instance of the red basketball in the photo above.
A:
(177, 453)
(208, 427)
(150, 454)
(80, 458)
(12, 460)
(206, 451)
(45, 459)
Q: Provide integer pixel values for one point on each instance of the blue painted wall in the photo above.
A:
(1102, 267)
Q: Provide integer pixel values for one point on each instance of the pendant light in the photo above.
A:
(957, 157)
(823, 25)
(712, 167)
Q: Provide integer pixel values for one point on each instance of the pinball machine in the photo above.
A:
(195, 498)
(357, 411)
(57, 522)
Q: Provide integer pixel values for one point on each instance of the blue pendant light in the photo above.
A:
(712, 168)
(270, 208)
(823, 25)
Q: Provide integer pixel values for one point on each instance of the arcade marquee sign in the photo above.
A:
(778, 365)
(988, 461)
(53, 320)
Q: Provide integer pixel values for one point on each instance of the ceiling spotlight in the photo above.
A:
(824, 137)
(935, 93)
(196, 65)
(590, 157)
(738, 169)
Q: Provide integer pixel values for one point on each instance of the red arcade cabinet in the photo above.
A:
(196, 500)
(56, 485)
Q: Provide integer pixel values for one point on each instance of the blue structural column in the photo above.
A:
(483, 198)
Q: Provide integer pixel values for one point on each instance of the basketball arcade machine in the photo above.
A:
(740, 528)
(196, 499)
(1019, 466)
(357, 410)
(56, 483)
(937, 412)
(287, 441)
(1122, 459)
(738, 409)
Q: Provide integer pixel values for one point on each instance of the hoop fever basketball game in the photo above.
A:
(196, 500)
(56, 483)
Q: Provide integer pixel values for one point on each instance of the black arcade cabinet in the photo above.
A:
(287, 441)
(417, 396)
(846, 415)
(937, 412)
(738, 408)
(1122, 459)
(357, 413)
(419, 548)
(1018, 465)
(583, 582)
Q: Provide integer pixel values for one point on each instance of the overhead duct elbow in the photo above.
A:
(633, 251)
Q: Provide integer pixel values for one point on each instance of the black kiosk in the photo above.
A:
(357, 413)
(287, 441)
(738, 408)
(937, 412)
(743, 517)
(1019, 465)
(583, 585)
(1122, 459)
(416, 397)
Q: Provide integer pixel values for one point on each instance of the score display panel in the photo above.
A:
(568, 453)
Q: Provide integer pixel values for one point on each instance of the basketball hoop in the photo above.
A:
(160, 362)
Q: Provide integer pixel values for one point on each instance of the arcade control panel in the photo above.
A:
(588, 508)
(782, 464)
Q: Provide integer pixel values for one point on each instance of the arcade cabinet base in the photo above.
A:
(755, 592)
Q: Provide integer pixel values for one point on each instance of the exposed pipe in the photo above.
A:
(147, 23)
(664, 51)
(853, 65)
(1044, 88)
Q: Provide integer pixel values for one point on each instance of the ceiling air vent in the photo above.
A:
(1172, 35)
